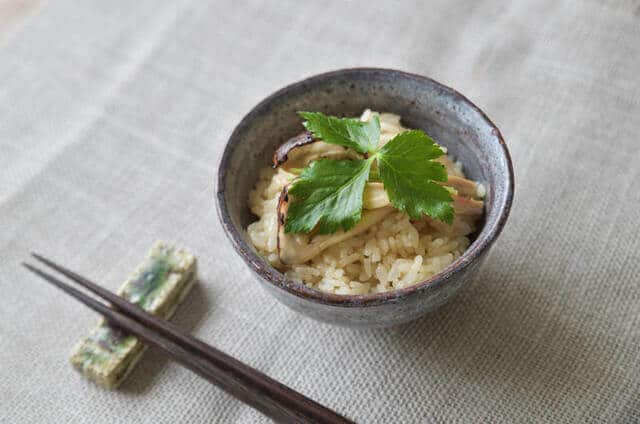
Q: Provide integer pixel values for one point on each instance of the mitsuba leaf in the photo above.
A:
(409, 174)
(327, 196)
(360, 136)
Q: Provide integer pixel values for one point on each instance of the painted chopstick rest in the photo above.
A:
(158, 285)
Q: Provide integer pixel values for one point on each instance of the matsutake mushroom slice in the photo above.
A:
(301, 150)
(467, 206)
(463, 186)
(300, 248)
(376, 197)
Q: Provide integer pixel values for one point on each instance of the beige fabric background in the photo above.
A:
(113, 116)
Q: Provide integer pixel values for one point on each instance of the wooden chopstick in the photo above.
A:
(251, 386)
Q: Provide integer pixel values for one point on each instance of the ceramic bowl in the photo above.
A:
(443, 113)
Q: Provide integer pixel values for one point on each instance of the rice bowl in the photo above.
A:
(442, 112)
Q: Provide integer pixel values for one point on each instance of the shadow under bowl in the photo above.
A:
(443, 113)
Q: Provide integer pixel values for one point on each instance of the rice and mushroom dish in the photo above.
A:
(362, 205)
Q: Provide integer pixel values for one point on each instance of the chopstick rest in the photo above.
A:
(157, 285)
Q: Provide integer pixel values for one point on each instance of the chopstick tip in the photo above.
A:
(28, 266)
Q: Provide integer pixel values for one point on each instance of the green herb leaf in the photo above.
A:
(328, 194)
(360, 136)
(408, 172)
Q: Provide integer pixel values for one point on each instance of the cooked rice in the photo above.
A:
(392, 254)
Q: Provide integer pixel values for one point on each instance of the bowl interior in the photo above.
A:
(448, 117)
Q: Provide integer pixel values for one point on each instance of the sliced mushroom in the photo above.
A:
(467, 206)
(301, 150)
(281, 154)
(463, 186)
(300, 248)
(376, 197)
(450, 166)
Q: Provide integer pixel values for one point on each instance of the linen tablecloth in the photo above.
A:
(113, 116)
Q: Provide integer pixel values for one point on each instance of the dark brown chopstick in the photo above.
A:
(272, 398)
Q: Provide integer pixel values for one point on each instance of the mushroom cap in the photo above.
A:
(301, 150)
(281, 154)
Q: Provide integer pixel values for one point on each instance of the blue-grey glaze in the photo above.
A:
(446, 115)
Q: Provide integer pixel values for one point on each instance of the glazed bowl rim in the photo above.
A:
(488, 234)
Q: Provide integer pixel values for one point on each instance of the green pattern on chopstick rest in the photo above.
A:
(110, 339)
(145, 288)
(108, 354)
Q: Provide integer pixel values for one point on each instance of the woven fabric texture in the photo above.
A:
(113, 117)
